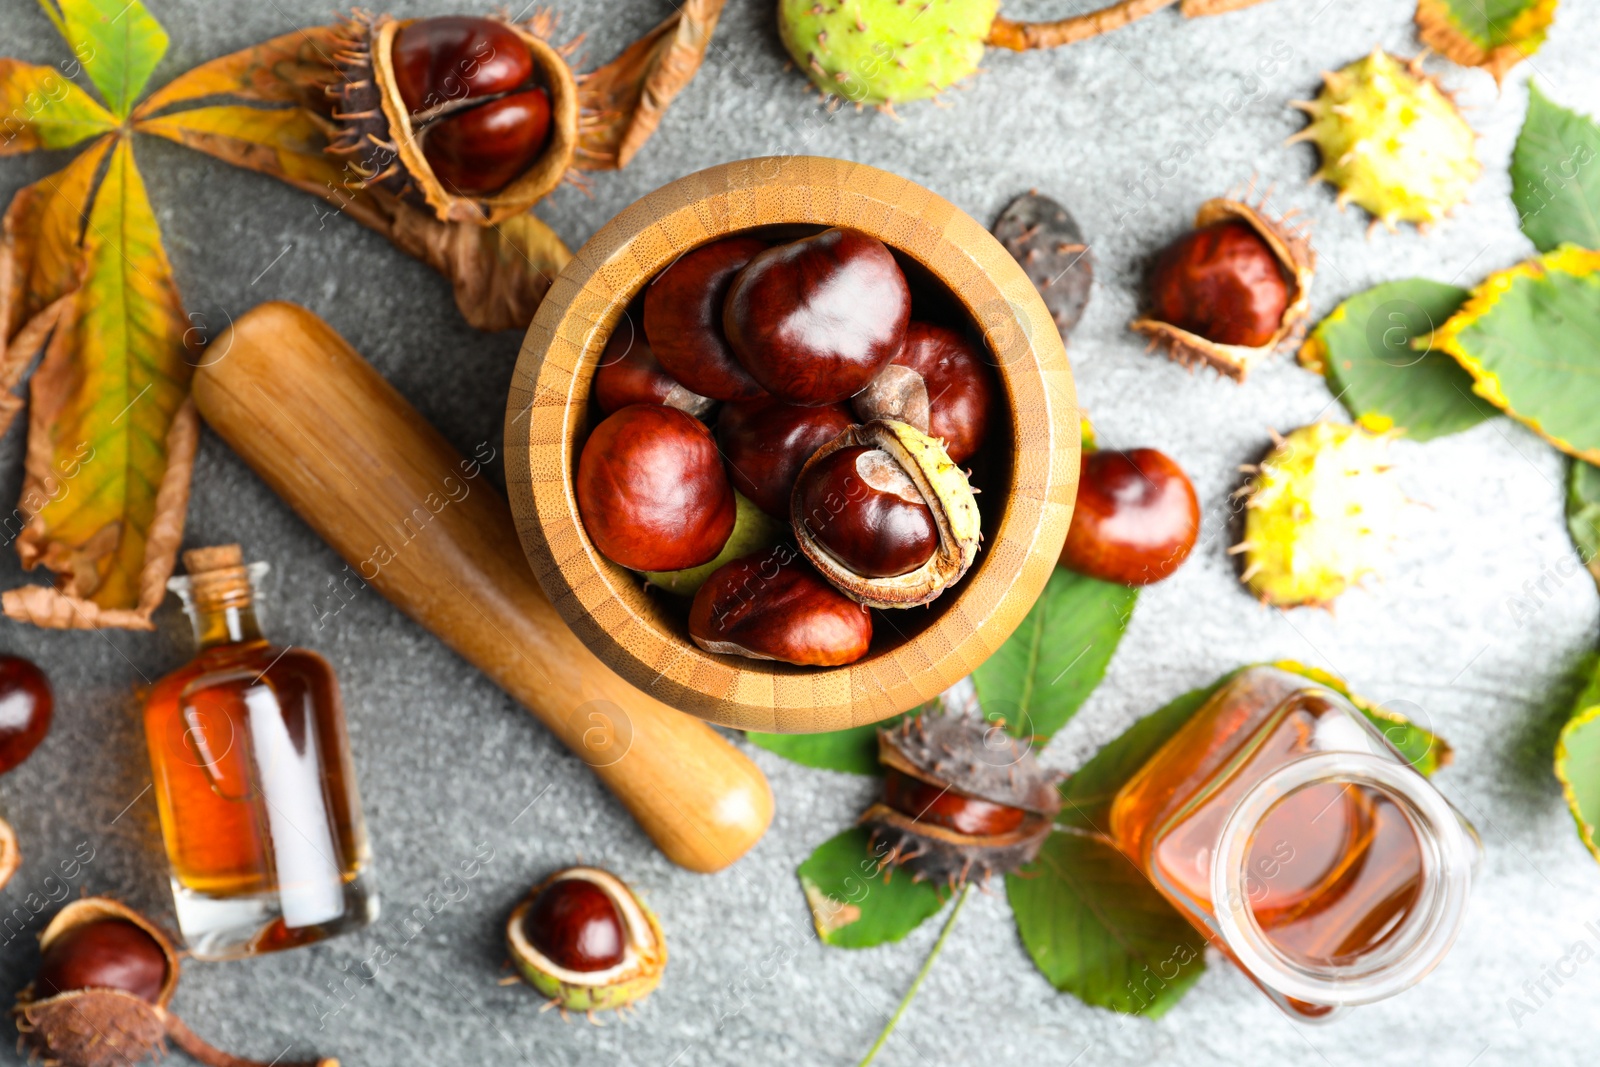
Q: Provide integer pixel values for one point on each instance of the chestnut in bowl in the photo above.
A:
(940, 384)
(629, 373)
(683, 319)
(949, 263)
(765, 443)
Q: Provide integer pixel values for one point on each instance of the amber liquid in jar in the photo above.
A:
(1333, 869)
(253, 780)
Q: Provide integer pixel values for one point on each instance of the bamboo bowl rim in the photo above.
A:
(548, 406)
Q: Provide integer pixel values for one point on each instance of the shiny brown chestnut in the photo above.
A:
(480, 150)
(940, 384)
(815, 320)
(765, 443)
(683, 319)
(26, 707)
(442, 60)
(1222, 282)
(108, 954)
(940, 805)
(629, 373)
(866, 512)
(773, 606)
(1136, 518)
(574, 923)
(651, 490)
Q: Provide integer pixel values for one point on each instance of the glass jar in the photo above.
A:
(1291, 834)
(253, 779)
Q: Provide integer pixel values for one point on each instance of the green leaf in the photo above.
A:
(1578, 761)
(1554, 181)
(1530, 338)
(854, 901)
(119, 44)
(1096, 928)
(1583, 513)
(1364, 347)
(1087, 795)
(1047, 668)
(854, 751)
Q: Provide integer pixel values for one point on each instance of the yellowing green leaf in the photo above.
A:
(855, 900)
(291, 69)
(1554, 180)
(41, 108)
(1493, 34)
(1364, 348)
(119, 44)
(1578, 761)
(103, 409)
(1583, 513)
(40, 258)
(1530, 338)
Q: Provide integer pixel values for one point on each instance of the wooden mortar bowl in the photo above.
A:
(917, 653)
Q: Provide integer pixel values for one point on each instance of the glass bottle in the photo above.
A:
(1291, 834)
(253, 779)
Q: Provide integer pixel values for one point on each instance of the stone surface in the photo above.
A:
(447, 762)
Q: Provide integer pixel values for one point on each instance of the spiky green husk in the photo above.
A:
(1321, 512)
(1391, 140)
(883, 52)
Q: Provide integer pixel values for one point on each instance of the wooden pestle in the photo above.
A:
(419, 524)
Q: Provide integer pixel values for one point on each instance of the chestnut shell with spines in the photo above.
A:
(652, 491)
(774, 604)
(576, 925)
(1221, 282)
(683, 319)
(1136, 519)
(27, 705)
(816, 319)
(765, 442)
(107, 954)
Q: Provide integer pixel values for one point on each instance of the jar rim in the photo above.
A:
(1420, 942)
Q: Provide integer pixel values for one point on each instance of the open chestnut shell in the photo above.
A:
(940, 483)
(652, 491)
(815, 320)
(940, 384)
(866, 512)
(773, 605)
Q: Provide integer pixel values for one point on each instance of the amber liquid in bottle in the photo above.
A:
(1333, 869)
(253, 780)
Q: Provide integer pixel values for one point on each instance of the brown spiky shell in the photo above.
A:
(1294, 255)
(376, 139)
(968, 755)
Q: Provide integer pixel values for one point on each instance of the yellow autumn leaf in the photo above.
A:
(103, 408)
(291, 69)
(39, 255)
(41, 108)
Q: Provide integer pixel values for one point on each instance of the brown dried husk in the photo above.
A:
(958, 752)
(1298, 261)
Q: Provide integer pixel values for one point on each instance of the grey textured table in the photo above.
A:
(446, 762)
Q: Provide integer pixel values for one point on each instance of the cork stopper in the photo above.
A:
(218, 578)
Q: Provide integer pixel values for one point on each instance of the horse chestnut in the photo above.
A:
(815, 320)
(630, 374)
(765, 443)
(683, 319)
(773, 606)
(108, 954)
(866, 512)
(938, 383)
(441, 60)
(26, 706)
(1136, 518)
(941, 805)
(1222, 282)
(575, 923)
(651, 490)
(481, 149)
